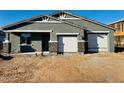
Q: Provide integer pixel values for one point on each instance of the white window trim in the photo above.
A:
(29, 31)
(67, 33)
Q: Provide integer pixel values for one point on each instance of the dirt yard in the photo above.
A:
(98, 67)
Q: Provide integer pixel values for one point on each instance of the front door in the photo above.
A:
(45, 41)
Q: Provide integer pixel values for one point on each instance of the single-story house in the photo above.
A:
(60, 32)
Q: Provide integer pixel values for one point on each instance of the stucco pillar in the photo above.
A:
(6, 44)
(53, 47)
(81, 46)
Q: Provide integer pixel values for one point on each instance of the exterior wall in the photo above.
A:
(81, 47)
(36, 41)
(89, 25)
(6, 47)
(111, 41)
(56, 28)
(15, 42)
(69, 16)
(95, 27)
(53, 47)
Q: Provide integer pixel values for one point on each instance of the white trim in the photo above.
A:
(32, 53)
(67, 33)
(64, 44)
(81, 41)
(69, 18)
(6, 41)
(46, 21)
(53, 41)
(28, 31)
(98, 31)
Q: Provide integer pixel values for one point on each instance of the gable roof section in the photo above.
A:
(40, 16)
(83, 18)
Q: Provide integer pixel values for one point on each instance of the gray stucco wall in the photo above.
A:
(36, 41)
(89, 25)
(111, 41)
(81, 47)
(96, 27)
(36, 44)
(55, 27)
(15, 42)
(53, 47)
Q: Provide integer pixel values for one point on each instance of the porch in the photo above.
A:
(30, 41)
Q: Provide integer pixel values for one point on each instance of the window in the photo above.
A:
(25, 38)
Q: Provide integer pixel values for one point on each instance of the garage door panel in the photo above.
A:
(67, 44)
(97, 42)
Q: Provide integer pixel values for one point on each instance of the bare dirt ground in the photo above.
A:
(98, 67)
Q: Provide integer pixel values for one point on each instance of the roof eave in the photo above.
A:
(22, 21)
(29, 19)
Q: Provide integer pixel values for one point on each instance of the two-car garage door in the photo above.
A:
(97, 42)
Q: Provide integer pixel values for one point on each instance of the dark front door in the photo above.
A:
(45, 41)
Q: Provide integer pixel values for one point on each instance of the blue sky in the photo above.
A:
(104, 16)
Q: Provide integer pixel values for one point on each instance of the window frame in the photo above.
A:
(25, 37)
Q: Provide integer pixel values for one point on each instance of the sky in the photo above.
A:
(103, 16)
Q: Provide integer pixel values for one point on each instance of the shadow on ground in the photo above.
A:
(119, 49)
(3, 57)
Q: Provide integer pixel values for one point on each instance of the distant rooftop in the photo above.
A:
(116, 21)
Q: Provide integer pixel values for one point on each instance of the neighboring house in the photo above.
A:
(59, 32)
(119, 33)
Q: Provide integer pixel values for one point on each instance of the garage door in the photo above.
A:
(67, 43)
(97, 42)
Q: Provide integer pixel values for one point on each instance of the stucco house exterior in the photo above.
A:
(60, 32)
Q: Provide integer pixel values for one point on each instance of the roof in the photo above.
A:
(35, 17)
(116, 21)
(64, 21)
(84, 18)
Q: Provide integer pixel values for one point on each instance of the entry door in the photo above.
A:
(97, 42)
(67, 43)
